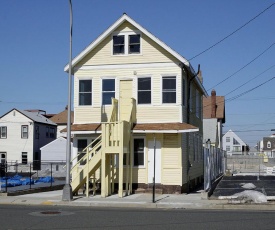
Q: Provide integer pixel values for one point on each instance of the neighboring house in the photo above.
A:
(61, 120)
(54, 151)
(268, 146)
(23, 133)
(213, 119)
(157, 111)
(233, 144)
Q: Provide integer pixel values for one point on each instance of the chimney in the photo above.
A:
(213, 104)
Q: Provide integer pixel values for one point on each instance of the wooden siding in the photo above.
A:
(145, 113)
(171, 158)
(150, 52)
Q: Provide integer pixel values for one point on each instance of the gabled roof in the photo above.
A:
(34, 116)
(112, 28)
(61, 118)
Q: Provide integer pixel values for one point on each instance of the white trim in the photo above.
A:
(101, 90)
(166, 131)
(77, 90)
(139, 77)
(112, 28)
(126, 35)
(161, 89)
(127, 66)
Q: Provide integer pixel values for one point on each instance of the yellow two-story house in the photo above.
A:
(137, 114)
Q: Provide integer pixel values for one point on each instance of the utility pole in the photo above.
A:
(67, 190)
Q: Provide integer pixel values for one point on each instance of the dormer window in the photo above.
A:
(126, 43)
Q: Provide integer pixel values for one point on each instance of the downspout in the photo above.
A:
(191, 78)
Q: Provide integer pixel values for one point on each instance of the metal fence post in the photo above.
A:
(30, 175)
(51, 174)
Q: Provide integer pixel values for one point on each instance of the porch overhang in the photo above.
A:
(138, 128)
(164, 128)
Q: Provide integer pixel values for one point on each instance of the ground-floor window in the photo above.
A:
(24, 159)
(81, 144)
(139, 152)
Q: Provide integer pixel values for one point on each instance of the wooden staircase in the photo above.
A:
(114, 140)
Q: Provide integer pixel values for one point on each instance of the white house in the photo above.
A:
(54, 151)
(22, 133)
(233, 144)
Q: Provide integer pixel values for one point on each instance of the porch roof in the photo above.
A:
(138, 128)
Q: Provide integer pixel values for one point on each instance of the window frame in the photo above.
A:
(85, 92)
(268, 145)
(174, 77)
(37, 132)
(52, 132)
(102, 92)
(227, 139)
(24, 158)
(144, 90)
(127, 43)
(5, 132)
(22, 132)
(134, 153)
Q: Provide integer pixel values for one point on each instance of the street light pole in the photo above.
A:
(67, 190)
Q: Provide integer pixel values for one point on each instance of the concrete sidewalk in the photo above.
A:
(165, 201)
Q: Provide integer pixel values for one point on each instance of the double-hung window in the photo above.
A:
(144, 90)
(24, 158)
(108, 91)
(118, 44)
(124, 44)
(3, 132)
(24, 131)
(85, 92)
(139, 152)
(169, 89)
(134, 44)
(37, 132)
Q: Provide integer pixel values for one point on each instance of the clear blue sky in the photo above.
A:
(34, 49)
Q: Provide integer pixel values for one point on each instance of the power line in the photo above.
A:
(243, 66)
(249, 80)
(229, 35)
(248, 91)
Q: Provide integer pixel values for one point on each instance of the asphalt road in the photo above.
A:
(14, 217)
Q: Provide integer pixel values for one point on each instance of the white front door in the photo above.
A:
(151, 162)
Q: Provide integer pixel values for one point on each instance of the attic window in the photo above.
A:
(126, 44)
(118, 44)
(134, 44)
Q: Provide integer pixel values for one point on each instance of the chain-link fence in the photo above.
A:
(15, 177)
(251, 164)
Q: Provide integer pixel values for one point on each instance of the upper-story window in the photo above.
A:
(24, 131)
(124, 44)
(37, 132)
(227, 139)
(268, 144)
(118, 44)
(85, 92)
(198, 104)
(52, 132)
(235, 142)
(134, 44)
(3, 132)
(108, 91)
(144, 90)
(183, 92)
(169, 89)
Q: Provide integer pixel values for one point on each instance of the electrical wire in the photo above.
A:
(229, 35)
